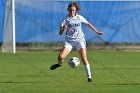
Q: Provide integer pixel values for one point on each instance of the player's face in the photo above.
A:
(72, 10)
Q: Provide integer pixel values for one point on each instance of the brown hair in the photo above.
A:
(73, 4)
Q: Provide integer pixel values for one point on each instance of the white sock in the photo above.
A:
(87, 68)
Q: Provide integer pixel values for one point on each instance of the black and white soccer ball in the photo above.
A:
(74, 62)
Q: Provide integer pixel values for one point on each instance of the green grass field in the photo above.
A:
(28, 72)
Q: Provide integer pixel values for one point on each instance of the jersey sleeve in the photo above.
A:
(82, 19)
(63, 23)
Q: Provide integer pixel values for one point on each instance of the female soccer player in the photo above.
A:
(74, 37)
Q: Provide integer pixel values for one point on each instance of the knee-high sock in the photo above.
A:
(88, 72)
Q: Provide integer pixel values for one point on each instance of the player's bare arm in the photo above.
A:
(62, 29)
(94, 29)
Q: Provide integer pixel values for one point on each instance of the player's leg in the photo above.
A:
(64, 52)
(84, 59)
(81, 46)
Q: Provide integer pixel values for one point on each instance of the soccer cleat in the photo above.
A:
(53, 67)
(89, 79)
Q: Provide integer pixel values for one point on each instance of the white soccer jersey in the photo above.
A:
(74, 31)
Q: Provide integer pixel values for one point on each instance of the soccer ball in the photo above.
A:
(74, 62)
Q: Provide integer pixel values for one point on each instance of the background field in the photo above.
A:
(28, 72)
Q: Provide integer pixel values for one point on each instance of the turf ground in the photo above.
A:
(28, 72)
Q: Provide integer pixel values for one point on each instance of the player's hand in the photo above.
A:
(65, 27)
(99, 33)
(62, 29)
